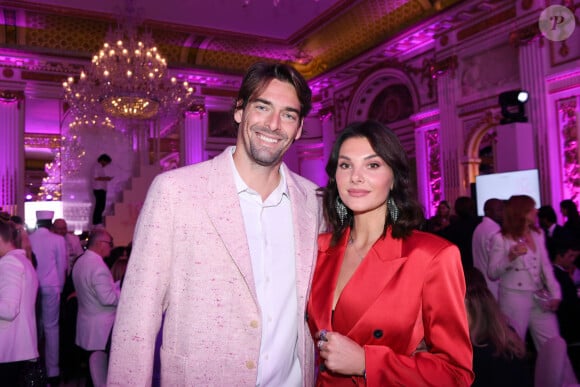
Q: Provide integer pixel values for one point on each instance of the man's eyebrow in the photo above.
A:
(266, 102)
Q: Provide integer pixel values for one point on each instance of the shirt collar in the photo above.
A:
(241, 186)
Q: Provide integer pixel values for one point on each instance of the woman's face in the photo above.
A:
(443, 210)
(363, 179)
(531, 216)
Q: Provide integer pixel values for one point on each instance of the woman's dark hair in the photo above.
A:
(388, 147)
(259, 76)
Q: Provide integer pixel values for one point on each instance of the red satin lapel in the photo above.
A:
(376, 270)
(324, 281)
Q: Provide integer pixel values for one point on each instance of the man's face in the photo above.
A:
(567, 259)
(268, 125)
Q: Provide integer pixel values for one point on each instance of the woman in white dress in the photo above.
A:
(520, 261)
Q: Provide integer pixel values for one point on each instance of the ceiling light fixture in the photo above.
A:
(127, 78)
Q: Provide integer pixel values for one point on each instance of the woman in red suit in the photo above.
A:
(387, 302)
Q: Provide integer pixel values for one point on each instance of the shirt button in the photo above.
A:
(250, 365)
(254, 324)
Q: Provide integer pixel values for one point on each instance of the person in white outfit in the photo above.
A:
(73, 243)
(520, 261)
(97, 296)
(18, 289)
(50, 251)
(481, 240)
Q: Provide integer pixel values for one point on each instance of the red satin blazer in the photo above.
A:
(403, 292)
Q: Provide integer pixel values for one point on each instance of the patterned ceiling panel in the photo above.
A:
(363, 26)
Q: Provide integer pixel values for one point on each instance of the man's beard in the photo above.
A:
(266, 156)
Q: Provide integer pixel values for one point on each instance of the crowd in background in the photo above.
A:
(53, 296)
(523, 278)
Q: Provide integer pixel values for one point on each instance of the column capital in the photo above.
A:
(11, 95)
(438, 68)
(326, 113)
(526, 35)
(197, 109)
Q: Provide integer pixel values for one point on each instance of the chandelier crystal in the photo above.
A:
(127, 79)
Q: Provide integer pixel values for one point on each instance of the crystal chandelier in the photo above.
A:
(51, 183)
(127, 79)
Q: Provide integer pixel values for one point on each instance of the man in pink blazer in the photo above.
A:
(225, 250)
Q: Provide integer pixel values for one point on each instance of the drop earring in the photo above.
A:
(393, 209)
(341, 210)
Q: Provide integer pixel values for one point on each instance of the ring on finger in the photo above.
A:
(319, 344)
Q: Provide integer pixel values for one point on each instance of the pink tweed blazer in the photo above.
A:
(191, 261)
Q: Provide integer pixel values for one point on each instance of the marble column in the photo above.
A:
(12, 156)
(533, 80)
(451, 138)
(428, 159)
(192, 143)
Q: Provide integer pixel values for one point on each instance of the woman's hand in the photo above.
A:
(341, 354)
(517, 250)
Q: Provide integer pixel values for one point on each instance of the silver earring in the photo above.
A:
(340, 210)
(393, 209)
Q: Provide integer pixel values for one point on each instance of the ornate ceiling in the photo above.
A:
(315, 36)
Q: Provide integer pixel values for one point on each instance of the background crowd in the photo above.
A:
(58, 297)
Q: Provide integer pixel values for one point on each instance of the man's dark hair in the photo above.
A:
(259, 76)
(104, 157)
(547, 212)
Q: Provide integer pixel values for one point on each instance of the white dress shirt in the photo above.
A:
(270, 235)
(100, 171)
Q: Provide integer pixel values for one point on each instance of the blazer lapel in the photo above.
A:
(226, 216)
(327, 270)
(374, 273)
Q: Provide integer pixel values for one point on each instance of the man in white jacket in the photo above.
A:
(50, 251)
(481, 242)
(97, 296)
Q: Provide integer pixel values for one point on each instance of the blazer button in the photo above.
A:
(519, 284)
(250, 365)
(378, 334)
(517, 269)
(254, 324)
